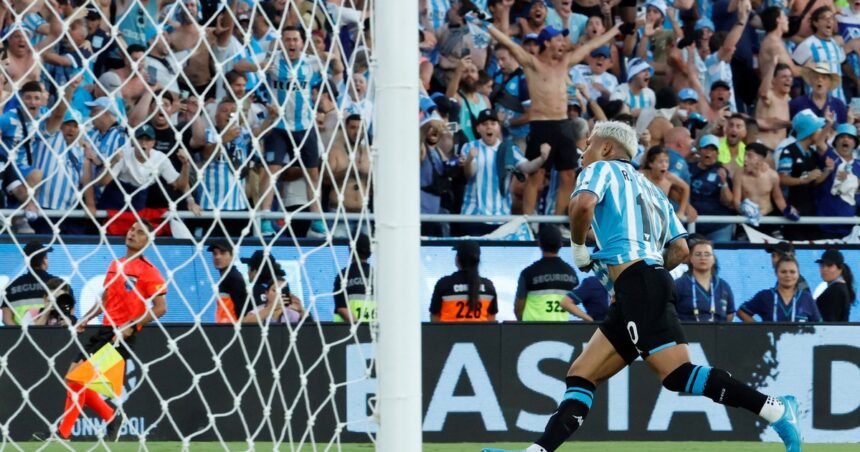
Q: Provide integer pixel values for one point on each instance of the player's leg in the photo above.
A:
(659, 336)
(608, 351)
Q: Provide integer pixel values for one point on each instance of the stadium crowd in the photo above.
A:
(138, 107)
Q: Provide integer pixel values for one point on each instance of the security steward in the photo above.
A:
(464, 296)
(23, 300)
(353, 287)
(543, 285)
(232, 292)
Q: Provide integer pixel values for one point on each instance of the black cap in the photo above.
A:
(93, 13)
(720, 84)
(255, 261)
(549, 238)
(831, 257)
(362, 246)
(220, 244)
(781, 248)
(468, 251)
(31, 249)
(487, 115)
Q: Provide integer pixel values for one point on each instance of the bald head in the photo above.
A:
(658, 128)
(678, 139)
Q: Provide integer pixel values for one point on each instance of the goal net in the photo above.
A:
(205, 168)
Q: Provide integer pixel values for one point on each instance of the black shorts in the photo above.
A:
(103, 336)
(643, 319)
(558, 134)
(280, 146)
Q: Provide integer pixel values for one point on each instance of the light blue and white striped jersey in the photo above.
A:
(106, 144)
(256, 53)
(820, 50)
(291, 81)
(437, 12)
(482, 195)
(62, 166)
(849, 28)
(720, 70)
(633, 219)
(575, 23)
(32, 22)
(222, 187)
(645, 99)
(582, 73)
(13, 135)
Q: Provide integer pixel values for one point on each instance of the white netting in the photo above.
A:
(233, 126)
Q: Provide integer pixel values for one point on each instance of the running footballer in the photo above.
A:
(640, 240)
(134, 295)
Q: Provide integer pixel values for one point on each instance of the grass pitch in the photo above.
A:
(456, 447)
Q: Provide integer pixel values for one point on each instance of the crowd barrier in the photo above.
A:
(311, 270)
(481, 383)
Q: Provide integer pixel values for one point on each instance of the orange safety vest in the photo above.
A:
(455, 308)
(225, 312)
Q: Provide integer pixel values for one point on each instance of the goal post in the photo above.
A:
(397, 225)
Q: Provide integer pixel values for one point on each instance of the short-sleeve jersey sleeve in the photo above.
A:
(154, 284)
(595, 178)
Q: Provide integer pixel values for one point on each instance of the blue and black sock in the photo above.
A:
(715, 384)
(570, 414)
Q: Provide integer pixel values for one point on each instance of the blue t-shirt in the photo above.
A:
(718, 297)
(593, 297)
(830, 205)
(801, 103)
(678, 166)
(769, 306)
(705, 188)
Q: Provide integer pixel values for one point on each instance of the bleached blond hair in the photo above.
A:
(619, 132)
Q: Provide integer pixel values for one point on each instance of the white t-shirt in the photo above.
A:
(143, 174)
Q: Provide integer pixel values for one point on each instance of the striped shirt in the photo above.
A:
(14, 137)
(582, 73)
(483, 195)
(820, 50)
(107, 143)
(256, 53)
(437, 12)
(223, 188)
(645, 99)
(32, 22)
(62, 165)
(633, 219)
(719, 70)
(849, 28)
(291, 81)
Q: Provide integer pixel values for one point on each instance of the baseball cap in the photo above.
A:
(530, 37)
(601, 51)
(781, 248)
(93, 13)
(362, 246)
(549, 238)
(704, 23)
(145, 130)
(33, 248)
(720, 84)
(549, 32)
(103, 103)
(709, 141)
(487, 115)
(255, 261)
(805, 124)
(688, 94)
(220, 244)
(110, 81)
(468, 251)
(832, 257)
(70, 116)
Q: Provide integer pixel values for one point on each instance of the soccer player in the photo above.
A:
(640, 241)
(134, 296)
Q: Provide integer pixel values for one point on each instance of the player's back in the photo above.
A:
(633, 219)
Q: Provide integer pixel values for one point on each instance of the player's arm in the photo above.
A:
(581, 213)
(573, 58)
(91, 314)
(570, 306)
(676, 253)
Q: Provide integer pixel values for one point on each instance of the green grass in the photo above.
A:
(471, 447)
